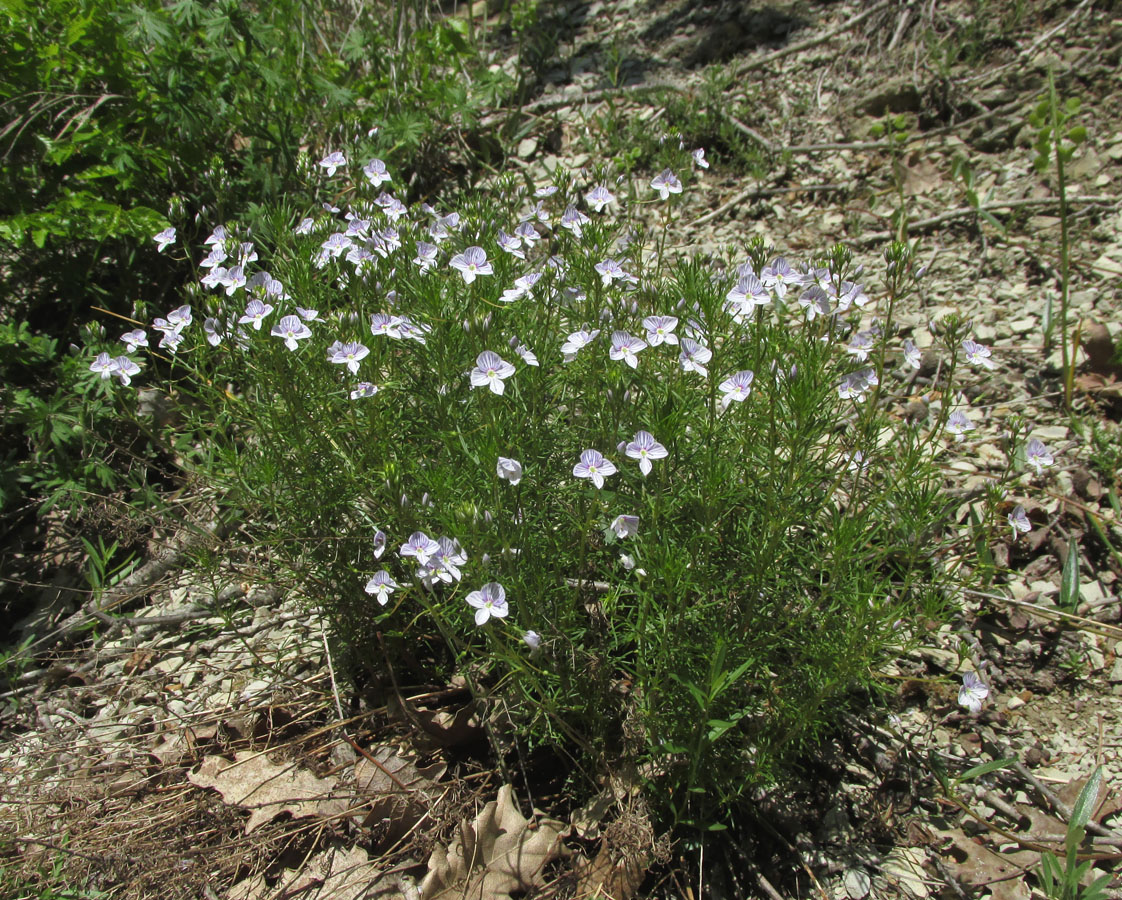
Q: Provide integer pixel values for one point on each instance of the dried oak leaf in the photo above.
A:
(268, 789)
(398, 791)
(332, 874)
(497, 854)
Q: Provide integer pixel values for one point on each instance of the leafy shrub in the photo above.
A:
(681, 540)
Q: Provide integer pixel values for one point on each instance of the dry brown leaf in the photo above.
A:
(500, 852)
(399, 792)
(332, 874)
(975, 863)
(446, 729)
(268, 789)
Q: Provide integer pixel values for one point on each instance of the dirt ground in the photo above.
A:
(175, 751)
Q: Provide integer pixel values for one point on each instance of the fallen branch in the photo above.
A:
(758, 192)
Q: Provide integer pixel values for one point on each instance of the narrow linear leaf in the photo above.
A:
(1069, 579)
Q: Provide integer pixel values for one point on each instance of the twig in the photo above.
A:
(921, 224)
(762, 61)
(757, 192)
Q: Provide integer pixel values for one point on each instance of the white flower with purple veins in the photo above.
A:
(213, 278)
(125, 368)
(645, 448)
(357, 227)
(660, 330)
(511, 243)
(860, 345)
(305, 226)
(509, 470)
(538, 212)
(135, 338)
(385, 324)
(533, 640)
(972, 692)
(438, 232)
(164, 239)
(180, 317)
(361, 258)
(850, 294)
(450, 221)
(857, 461)
(413, 331)
(666, 183)
(778, 275)
(598, 198)
(218, 236)
(349, 354)
(912, 355)
(545, 191)
(977, 354)
(694, 356)
(420, 546)
(574, 220)
(576, 342)
(625, 526)
(379, 543)
(521, 287)
(247, 253)
(308, 315)
(526, 354)
(1037, 455)
(216, 257)
(1019, 522)
(336, 245)
(333, 161)
(171, 340)
(426, 256)
(593, 465)
(364, 389)
(376, 173)
(625, 346)
(212, 328)
(528, 233)
(233, 279)
(255, 312)
(958, 424)
(610, 271)
(491, 370)
(736, 388)
(381, 586)
(853, 387)
(489, 603)
(105, 365)
(748, 294)
(292, 329)
(699, 159)
(470, 263)
(815, 301)
(446, 562)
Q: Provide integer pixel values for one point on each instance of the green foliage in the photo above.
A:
(786, 544)
(964, 172)
(1063, 880)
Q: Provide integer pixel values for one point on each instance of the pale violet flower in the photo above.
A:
(171, 340)
(958, 424)
(644, 448)
(660, 330)
(694, 356)
(511, 243)
(426, 256)
(522, 287)
(305, 226)
(349, 354)
(625, 346)
(375, 172)
(509, 470)
(448, 560)
(1019, 522)
(233, 279)
(413, 331)
(748, 294)
(1037, 455)
(164, 239)
(912, 355)
(576, 342)
(778, 275)
(105, 365)
(216, 257)
(381, 586)
(135, 338)
(853, 387)
(593, 465)
(489, 602)
(124, 369)
(736, 388)
(471, 263)
(387, 325)
(180, 317)
(292, 329)
(379, 543)
(364, 389)
(625, 526)
(333, 161)
(528, 234)
(308, 315)
(815, 301)
(666, 183)
(699, 158)
(255, 312)
(598, 198)
(972, 692)
(491, 370)
(547, 190)
(218, 236)
(610, 271)
(860, 345)
(420, 546)
(337, 244)
(526, 354)
(574, 220)
(977, 354)
(533, 640)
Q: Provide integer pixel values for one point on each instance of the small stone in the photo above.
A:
(1024, 326)
(1014, 703)
(527, 147)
